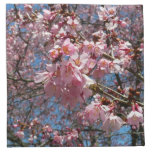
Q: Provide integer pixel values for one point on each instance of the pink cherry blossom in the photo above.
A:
(55, 29)
(68, 48)
(27, 7)
(112, 123)
(134, 118)
(58, 139)
(91, 63)
(88, 46)
(74, 23)
(51, 89)
(61, 33)
(103, 64)
(20, 134)
(105, 13)
(80, 60)
(54, 53)
(95, 111)
(47, 128)
(71, 135)
(92, 112)
(97, 97)
(123, 24)
(111, 26)
(115, 66)
(48, 15)
(98, 73)
(104, 110)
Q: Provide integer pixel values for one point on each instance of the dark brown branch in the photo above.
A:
(118, 80)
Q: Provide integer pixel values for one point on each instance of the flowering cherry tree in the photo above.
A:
(75, 75)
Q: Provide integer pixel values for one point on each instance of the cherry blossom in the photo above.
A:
(20, 134)
(68, 48)
(112, 123)
(58, 139)
(134, 118)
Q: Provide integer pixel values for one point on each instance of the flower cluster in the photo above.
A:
(76, 66)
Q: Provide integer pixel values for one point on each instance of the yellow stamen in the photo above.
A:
(66, 50)
(89, 46)
(77, 62)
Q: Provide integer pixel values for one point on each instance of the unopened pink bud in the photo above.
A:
(123, 24)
